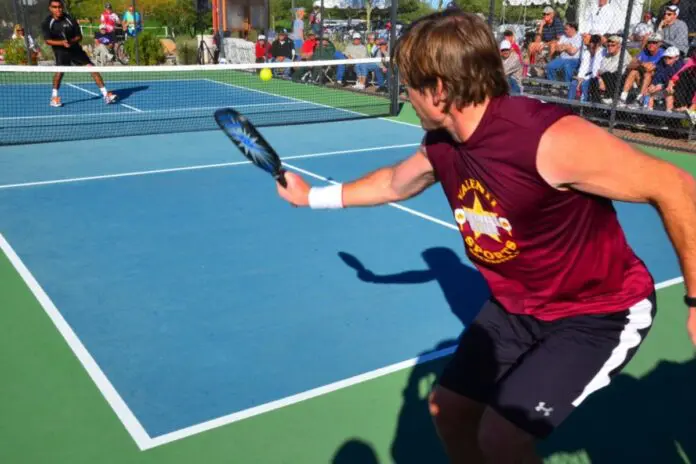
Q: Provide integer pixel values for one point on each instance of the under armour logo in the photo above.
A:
(542, 407)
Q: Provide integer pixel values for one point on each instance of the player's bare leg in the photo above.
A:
(472, 433)
(457, 421)
(108, 96)
(503, 442)
(55, 99)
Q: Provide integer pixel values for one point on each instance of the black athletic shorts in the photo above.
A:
(535, 373)
(73, 56)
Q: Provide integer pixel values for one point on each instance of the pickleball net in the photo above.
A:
(166, 99)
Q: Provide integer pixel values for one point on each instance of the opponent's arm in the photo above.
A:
(388, 184)
(614, 169)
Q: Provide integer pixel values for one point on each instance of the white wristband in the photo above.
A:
(330, 197)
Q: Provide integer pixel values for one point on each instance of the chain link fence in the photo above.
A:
(628, 65)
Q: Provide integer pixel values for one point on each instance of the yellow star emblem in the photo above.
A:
(482, 222)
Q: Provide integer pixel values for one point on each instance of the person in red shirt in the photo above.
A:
(570, 301)
(308, 46)
(263, 49)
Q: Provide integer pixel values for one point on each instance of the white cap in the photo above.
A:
(505, 45)
(317, 3)
(262, 37)
(671, 52)
(356, 35)
(674, 9)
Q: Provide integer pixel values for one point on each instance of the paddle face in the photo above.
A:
(250, 142)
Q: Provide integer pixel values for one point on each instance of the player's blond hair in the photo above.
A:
(456, 48)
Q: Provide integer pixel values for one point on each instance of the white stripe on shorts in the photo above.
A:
(639, 318)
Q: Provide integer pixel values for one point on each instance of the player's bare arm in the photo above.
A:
(388, 184)
(614, 169)
(56, 43)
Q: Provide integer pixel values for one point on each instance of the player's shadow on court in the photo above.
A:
(647, 420)
(415, 439)
(124, 93)
(355, 451)
(463, 287)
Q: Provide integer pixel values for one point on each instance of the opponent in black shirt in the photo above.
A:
(63, 34)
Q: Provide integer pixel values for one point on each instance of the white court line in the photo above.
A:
(319, 391)
(98, 95)
(130, 422)
(197, 167)
(144, 112)
(306, 395)
(293, 99)
(395, 121)
(669, 283)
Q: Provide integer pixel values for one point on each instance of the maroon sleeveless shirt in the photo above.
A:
(544, 252)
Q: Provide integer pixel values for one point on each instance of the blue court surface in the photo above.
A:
(200, 294)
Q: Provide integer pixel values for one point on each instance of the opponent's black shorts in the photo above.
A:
(535, 373)
(73, 56)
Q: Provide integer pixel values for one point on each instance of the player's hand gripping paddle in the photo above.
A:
(250, 142)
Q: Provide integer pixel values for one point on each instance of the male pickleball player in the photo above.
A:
(63, 34)
(531, 187)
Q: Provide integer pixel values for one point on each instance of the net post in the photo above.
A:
(394, 72)
(491, 13)
(137, 52)
(619, 87)
(221, 35)
(321, 26)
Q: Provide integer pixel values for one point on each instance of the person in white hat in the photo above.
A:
(666, 69)
(674, 31)
(263, 49)
(357, 50)
(512, 66)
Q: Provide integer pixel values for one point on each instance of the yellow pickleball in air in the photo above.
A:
(265, 74)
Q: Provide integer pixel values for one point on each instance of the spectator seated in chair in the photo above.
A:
(682, 87)
(283, 51)
(324, 52)
(569, 47)
(666, 69)
(609, 75)
(642, 69)
(263, 49)
(549, 32)
(308, 46)
(381, 50)
(590, 63)
(674, 31)
(103, 46)
(512, 65)
(357, 50)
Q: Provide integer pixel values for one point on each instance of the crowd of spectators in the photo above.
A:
(654, 69)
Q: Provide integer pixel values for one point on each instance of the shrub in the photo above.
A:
(150, 50)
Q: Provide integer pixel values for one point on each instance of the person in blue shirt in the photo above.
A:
(132, 22)
(642, 69)
(667, 67)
